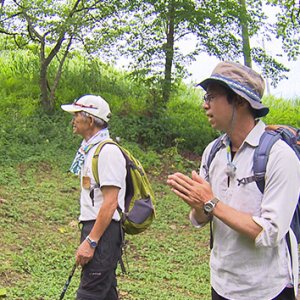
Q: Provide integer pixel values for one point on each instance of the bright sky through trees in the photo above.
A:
(287, 88)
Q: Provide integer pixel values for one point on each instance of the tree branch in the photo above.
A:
(59, 71)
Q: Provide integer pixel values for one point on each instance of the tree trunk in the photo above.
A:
(169, 52)
(245, 34)
(47, 93)
(45, 101)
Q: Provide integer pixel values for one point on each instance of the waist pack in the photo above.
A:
(271, 135)
(139, 210)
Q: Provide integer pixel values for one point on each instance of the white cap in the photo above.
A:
(94, 105)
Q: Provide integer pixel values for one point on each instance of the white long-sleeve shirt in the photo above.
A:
(240, 268)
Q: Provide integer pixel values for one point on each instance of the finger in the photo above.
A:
(181, 180)
(85, 260)
(82, 261)
(184, 178)
(178, 187)
(197, 178)
(181, 195)
(77, 259)
(188, 200)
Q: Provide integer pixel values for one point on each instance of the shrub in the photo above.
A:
(283, 111)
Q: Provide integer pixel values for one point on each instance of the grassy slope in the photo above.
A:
(38, 211)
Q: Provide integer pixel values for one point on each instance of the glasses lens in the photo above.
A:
(206, 98)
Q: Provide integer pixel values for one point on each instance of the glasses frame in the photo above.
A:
(207, 98)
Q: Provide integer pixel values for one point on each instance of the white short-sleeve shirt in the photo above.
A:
(112, 172)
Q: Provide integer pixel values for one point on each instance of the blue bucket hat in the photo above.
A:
(242, 81)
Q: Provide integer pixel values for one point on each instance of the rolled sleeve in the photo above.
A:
(194, 221)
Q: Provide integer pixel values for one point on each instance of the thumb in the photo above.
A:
(197, 178)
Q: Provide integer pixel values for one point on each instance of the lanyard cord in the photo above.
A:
(231, 168)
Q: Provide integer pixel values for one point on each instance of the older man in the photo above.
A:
(101, 235)
(250, 258)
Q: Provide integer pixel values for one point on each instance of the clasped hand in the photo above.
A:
(195, 191)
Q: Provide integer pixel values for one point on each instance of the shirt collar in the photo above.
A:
(253, 137)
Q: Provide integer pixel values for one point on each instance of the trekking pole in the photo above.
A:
(67, 282)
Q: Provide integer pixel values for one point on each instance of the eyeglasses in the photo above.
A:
(207, 98)
(84, 106)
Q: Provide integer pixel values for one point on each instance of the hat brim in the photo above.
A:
(70, 108)
(258, 107)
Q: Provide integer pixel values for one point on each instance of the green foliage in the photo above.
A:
(182, 124)
(188, 121)
(49, 29)
(39, 229)
(18, 77)
(84, 75)
(36, 137)
(283, 111)
(41, 217)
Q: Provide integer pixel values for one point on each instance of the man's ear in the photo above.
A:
(239, 101)
(91, 121)
(242, 104)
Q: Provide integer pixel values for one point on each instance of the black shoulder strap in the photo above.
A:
(215, 148)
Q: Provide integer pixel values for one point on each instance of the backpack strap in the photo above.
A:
(261, 156)
(96, 176)
(260, 159)
(215, 148)
(95, 158)
(95, 166)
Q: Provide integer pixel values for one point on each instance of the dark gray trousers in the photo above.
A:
(98, 277)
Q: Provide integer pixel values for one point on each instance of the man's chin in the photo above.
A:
(213, 124)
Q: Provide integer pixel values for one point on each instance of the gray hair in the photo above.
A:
(98, 122)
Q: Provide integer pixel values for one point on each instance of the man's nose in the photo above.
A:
(205, 105)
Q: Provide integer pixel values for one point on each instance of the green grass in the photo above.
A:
(39, 236)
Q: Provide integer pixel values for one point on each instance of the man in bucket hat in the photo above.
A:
(101, 235)
(249, 257)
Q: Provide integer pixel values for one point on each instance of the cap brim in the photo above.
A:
(70, 108)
